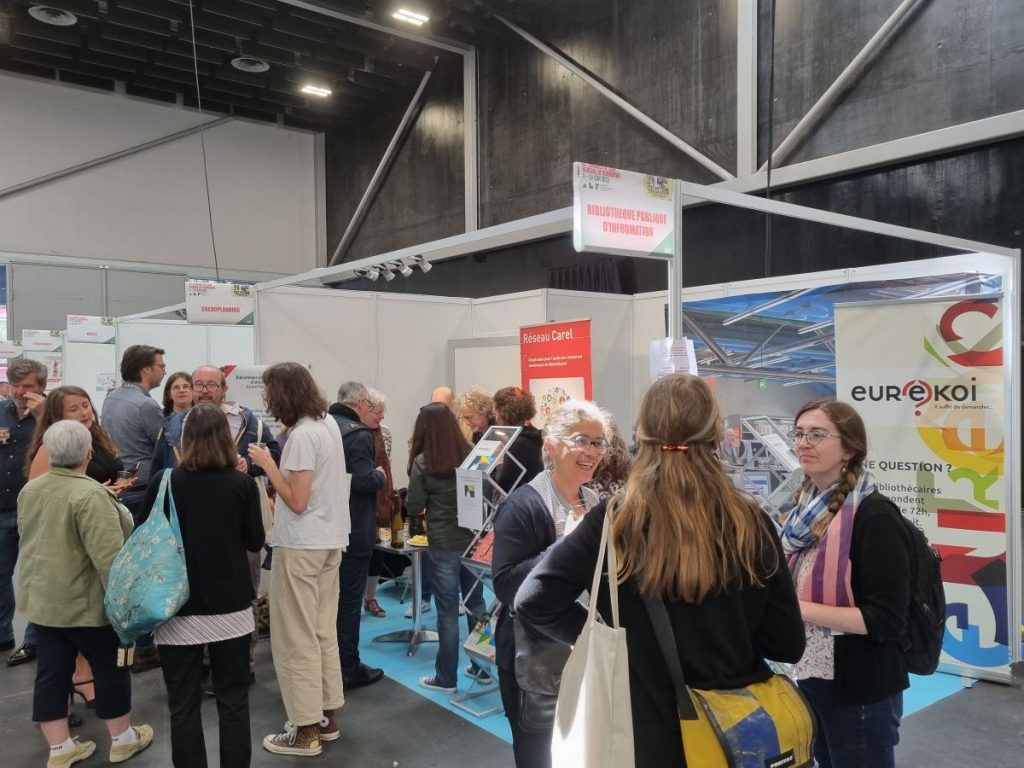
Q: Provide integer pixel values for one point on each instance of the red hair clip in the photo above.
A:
(681, 448)
(519, 392)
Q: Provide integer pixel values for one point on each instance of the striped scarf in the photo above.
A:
(829, 582)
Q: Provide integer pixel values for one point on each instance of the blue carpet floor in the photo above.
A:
(392, 658)
(407, 670)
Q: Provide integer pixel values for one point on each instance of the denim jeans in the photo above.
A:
(450, 578)
(8, 557)
(851, 735)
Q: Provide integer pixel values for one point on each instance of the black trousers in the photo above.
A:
(355, 566)
(183, 676)
(531, 750)
(57, 648)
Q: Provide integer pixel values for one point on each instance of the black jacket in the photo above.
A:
(870, 667)
(722, 641)
(366, 479)
(528, 449)
(219, 514)
(523, 531)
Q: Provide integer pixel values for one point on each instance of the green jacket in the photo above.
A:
(71, 528)
(437, 496)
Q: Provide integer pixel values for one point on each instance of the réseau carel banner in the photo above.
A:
(932, 397)
(555, 363)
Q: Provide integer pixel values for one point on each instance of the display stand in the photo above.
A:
(762, 457)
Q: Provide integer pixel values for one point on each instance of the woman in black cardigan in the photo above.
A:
(219, 512)
(850, 557)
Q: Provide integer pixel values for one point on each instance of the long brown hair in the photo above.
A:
(853, 437)
(168, 402)
(681, 528)
(437, 436)
(291, 393)
(53, 411)
(206, 439)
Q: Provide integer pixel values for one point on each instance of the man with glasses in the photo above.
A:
(132, 419)
(356, 416)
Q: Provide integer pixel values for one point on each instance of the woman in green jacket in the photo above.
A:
(438, 447)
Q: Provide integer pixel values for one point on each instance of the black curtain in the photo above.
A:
(597, 275)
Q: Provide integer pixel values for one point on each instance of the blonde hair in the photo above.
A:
(479, 400)
(681, 529)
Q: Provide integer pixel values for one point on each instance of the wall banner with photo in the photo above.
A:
(934, 400)
(555, 364)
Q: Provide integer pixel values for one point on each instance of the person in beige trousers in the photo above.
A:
(311, 528)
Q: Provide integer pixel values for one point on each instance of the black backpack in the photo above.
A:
(926, 622)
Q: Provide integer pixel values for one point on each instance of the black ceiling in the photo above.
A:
(144, 48)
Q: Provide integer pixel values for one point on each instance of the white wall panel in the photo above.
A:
(332, 332)
(184, 345)
(413, 333)
(490, 363)
(505, 314)
(151, 206)
(90, 366)
(231, 344)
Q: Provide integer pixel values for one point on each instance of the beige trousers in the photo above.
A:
(303, 631)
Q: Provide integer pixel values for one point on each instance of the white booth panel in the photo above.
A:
(486, 363)
(92, 367)
(505, 314)
(413, 333)
(611, 346)
(231, 344)
(332, 332)
(184, 345)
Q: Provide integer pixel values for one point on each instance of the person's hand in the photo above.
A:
(114, 488)
(260, 457)
(35, 403)
(241, 465)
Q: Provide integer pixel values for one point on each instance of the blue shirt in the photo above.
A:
(132, 419)
(18, 432)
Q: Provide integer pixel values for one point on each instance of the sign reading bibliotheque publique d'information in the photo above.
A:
(208, 301)
(622, 212)
(933, 399)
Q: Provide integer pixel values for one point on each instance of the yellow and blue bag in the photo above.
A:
(762, 725)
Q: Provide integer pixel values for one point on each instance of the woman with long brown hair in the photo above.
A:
(311, 528)
(437, 448)
(177, 393)
(219, 515)
(685, 535)
(850, 558)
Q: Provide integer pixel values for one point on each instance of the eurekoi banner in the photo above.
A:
(555, 363)
(928, 379)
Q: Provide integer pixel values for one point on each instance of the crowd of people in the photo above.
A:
(740, 588)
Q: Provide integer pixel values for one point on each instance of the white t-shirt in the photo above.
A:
(315, 445)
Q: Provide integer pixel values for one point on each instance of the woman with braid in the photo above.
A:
(849, 555)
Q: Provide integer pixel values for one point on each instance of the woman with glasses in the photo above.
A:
(527, 523)
(177, 393)
(437, 449)
(849, 556)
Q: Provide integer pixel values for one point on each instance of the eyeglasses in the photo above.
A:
(582, 442)
(813, 438)
(203, 386)
(378, 411)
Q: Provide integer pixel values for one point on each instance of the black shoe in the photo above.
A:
(74, 721)
(7, 645)
(364, 675)
(25, 653)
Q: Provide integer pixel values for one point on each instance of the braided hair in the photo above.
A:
(853, 437)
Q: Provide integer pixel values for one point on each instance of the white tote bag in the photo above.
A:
(593, 717)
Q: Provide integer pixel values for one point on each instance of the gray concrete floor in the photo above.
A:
(386, 724)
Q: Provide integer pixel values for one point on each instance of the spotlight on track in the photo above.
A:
(370, 274)
(387, 273)
(404, 268)
(424, 265)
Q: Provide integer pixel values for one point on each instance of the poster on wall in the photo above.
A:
(207, 301)
(932, 398)
(45, 347)
(245, 387)
(622, 212)
(555, 363)
(91, 329)
(672, 356)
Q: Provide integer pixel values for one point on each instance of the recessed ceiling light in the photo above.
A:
(250, 64)
(316, 90)
(53, 16)
(410, 17)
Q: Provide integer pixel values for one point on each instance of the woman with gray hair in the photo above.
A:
(71, 529)
(528, 522)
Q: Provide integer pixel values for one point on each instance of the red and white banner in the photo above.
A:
(555, 363)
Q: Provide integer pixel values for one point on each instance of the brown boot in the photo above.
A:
(303, 741)
(329, 727)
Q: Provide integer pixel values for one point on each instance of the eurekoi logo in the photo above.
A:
(917, 391)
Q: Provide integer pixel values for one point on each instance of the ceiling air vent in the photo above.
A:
(250, 64)
(53, 16)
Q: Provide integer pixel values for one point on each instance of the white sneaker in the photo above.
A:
(425, 608)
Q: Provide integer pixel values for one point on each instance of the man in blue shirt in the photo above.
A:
(17, 425)
(132, 419)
